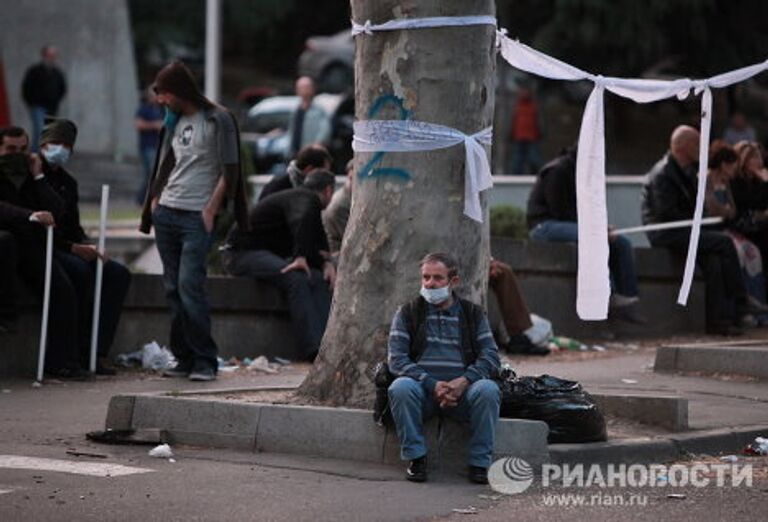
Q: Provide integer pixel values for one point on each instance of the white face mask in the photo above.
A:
(436, 295)
(56, 154)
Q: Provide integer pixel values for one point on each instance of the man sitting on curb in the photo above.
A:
(442, 351)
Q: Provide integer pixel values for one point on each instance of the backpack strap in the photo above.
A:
(469, 321)
(415, 318)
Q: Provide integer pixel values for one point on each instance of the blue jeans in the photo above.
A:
(621, 260)
(525, 154)
(37, 115)
(183, 244)
(479, 405)
(309, 300)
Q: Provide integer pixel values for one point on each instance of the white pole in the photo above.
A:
(99, 277)
(665, 226)
(212, 49)
(46, 303)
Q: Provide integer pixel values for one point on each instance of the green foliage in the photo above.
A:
(508, 221)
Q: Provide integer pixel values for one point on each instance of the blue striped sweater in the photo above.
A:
(442, 358)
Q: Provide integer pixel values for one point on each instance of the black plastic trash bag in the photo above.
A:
(571, 413)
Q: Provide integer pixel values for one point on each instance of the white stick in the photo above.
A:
(665, 226)
(46, 303)
(99, 277)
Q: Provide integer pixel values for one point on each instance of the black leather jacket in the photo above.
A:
(669, 194)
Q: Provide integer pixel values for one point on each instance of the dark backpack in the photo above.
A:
(415, 318)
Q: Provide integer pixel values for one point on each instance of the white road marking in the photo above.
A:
(5, 491)
(94, 469)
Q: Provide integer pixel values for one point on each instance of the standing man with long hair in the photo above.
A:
(196, 170)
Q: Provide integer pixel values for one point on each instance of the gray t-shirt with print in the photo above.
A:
(198, 166)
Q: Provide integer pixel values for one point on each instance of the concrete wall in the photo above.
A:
(96, 54)
(623, 194)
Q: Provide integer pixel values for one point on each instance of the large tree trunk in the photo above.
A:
(410, 203)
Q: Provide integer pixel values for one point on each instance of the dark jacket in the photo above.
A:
(288, 224)
(44, 86)
(17, 205)
(229, 139)
(553, 196)
(669, 194)
(68, 228)
(750, 196)
(277, 184)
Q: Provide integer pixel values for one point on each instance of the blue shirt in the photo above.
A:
(149, 112)
(442, 358)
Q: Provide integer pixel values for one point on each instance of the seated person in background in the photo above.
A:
(508, 304)
(286, 244)
(29, 202)
(308, 159)
(723, 162)
(738, 129)
(750, 194)
(76, 256)
(669, 194)
(336, 215)
(443, 354)
(552, 216)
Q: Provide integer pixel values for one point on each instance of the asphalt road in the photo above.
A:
(204, 484)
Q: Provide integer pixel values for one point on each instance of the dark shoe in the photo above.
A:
(417, 470)
(180, 370)
(203, 374)
(477, 475)
(628, 314)
(724, 329)
(103, 369)
(520, 344)
(69, 374)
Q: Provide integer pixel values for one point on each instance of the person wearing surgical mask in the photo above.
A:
(444, 357)
(27, 202)
(76, 254)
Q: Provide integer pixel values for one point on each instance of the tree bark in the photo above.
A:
(406, 204)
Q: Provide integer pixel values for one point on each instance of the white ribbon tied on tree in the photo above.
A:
(593, 291)
(413, 136)
(421, 23)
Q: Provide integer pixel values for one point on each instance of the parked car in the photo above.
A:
(330, 61)
(265, 130)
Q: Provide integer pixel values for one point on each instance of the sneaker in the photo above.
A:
(620, 301)
(417, 470)
(205, 374)
(180, 370)
(477, 475)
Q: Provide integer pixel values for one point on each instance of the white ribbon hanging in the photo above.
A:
(593, 274)
(412, 136)
(421, 23)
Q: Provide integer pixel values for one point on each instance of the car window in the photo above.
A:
(265, 122)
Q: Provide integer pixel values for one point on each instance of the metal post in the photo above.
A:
(99, 278)
(46, 304)
(212, 49)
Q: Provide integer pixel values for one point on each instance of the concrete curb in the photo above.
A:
(742, 359)
(338, 433)
(659, 449)
(349, 434)
(667, 411)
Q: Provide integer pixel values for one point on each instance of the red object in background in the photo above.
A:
(5, 115)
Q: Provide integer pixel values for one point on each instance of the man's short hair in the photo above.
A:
(441, 257)
(313, 156)
(318, 180)
(11, 132)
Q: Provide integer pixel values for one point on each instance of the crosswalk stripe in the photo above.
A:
(94, 469)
